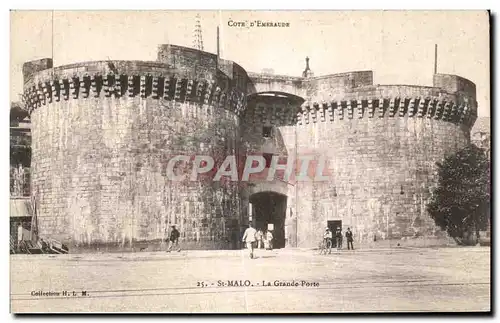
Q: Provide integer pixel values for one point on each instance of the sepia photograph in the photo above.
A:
(250, 162)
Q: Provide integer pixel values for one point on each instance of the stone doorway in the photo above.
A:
(270, 208)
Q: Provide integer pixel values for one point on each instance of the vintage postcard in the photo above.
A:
(250, 161)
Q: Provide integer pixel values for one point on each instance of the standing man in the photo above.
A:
(249, 238)
(338, 238)
(328, 239)
(348, 236)
(174, 239)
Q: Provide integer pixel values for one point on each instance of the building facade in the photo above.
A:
(20, 160)
(104, 132)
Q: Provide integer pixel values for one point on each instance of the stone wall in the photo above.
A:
(382, 144)
(104, 131)
(380, 170)
(101, 143)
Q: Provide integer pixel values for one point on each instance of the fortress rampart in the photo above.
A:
(103, 132)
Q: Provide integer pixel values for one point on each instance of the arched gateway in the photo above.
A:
(268, 213)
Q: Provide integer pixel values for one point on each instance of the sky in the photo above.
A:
(397, 45)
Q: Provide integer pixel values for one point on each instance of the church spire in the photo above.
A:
(307, 72)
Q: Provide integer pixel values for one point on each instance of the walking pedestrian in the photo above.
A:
(249, 239)
(174, 239)
(348, 236)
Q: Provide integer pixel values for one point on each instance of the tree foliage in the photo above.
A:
(460, 204)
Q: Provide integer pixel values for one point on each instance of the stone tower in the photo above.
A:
(103, 138)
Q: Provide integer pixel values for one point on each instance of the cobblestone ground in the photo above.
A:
(392, 280)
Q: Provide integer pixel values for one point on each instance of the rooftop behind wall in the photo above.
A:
(189, 61)
(455, 84)
(203, 65)
(31, 67)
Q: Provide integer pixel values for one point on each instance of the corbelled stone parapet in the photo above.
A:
(164, 87)
(419, 107)
(329, 111)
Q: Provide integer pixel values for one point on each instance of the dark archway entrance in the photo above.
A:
(270, 208)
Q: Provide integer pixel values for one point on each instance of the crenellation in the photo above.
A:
(453, 112)
(155, 87)
(381, 107)
(329, 106)
(74, 87)
(40, 94)
(460, 112)
(300, 119)
(439, 109)
(55, 90)
(131, 86)
(412, 107)
(47, 91)
(418, 107)
(340, 109)
(166, 88)
(447, 111)
(194, 90)
(64, 85)
(119, 81)
(392, 110)
(403, 103)
(422, 107)
(322, 111)
(371, 108)
(144, 85)
(85, 86)
(189, 90)
(93, 85)
(208, 92)
(431, 109)
(200, 88)
(106, 85)
(350, 109)
(313, 111)
(142, 89)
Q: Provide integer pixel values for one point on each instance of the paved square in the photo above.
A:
(390, 280)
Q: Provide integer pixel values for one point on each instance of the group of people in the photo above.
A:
(265, 239)
(337, 238)
(252, 236)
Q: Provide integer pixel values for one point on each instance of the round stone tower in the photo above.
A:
(104, 134)
(382, 143)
